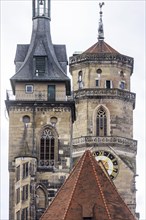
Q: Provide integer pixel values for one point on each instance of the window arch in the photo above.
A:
(101, 122)
(41, 198)
(48, 147)
(80, 79)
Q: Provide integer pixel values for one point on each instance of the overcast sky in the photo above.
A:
(75, 24)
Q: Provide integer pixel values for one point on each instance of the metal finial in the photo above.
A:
(100, 28)
(100, 5)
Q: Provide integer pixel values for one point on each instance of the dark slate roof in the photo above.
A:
(60, 51)
(41, 45)
(88, 193)
(22, 49)
(21, 52)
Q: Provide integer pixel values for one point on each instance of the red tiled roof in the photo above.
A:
(101, 47)
(88, 192)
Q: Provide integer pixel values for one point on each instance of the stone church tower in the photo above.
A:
(49, 129)
(40, 120)
(104, 110)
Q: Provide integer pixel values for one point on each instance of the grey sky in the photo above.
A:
(75, 24)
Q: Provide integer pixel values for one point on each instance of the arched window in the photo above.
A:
(41, 198)
(47, 147)
(101, 122)
(80, 81)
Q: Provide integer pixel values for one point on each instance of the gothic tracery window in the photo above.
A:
(101, 122)
(47, 147)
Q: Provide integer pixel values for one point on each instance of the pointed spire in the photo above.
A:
(100, 28)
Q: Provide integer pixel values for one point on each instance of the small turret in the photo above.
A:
(41, 8)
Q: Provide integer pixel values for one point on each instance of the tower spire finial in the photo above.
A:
(100, 28)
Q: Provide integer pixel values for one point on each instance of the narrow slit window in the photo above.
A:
(25, 170)
(97, 83)
(17, 195)
(18, 173)
(80, 80)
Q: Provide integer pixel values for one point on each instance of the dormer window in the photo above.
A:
(40, 65)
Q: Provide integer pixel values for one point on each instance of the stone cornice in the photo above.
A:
(108, 57)
(91, 141)
(41, 106)
(105, 93)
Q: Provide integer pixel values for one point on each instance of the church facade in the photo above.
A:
(52, 125)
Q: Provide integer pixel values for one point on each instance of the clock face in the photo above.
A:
(109, 161)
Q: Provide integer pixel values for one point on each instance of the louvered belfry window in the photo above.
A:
(40, 62)
(101, 122)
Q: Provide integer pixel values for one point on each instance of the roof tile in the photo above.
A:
(88, 192)
(101, 47)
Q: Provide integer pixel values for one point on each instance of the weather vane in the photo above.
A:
(100, 5)
(100, 28)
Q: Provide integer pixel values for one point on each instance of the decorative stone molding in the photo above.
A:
(108, 57)
(35, 95)
(105, 93)
(47, 163)
(90, 140)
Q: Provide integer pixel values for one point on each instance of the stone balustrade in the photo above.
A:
(105, 93)
(92, 140)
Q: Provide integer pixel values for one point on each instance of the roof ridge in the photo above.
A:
(110, 48)
(119, 195)
(99, 186)
(114, 187)
(94, 46)
(70, 175)
(82, 162)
